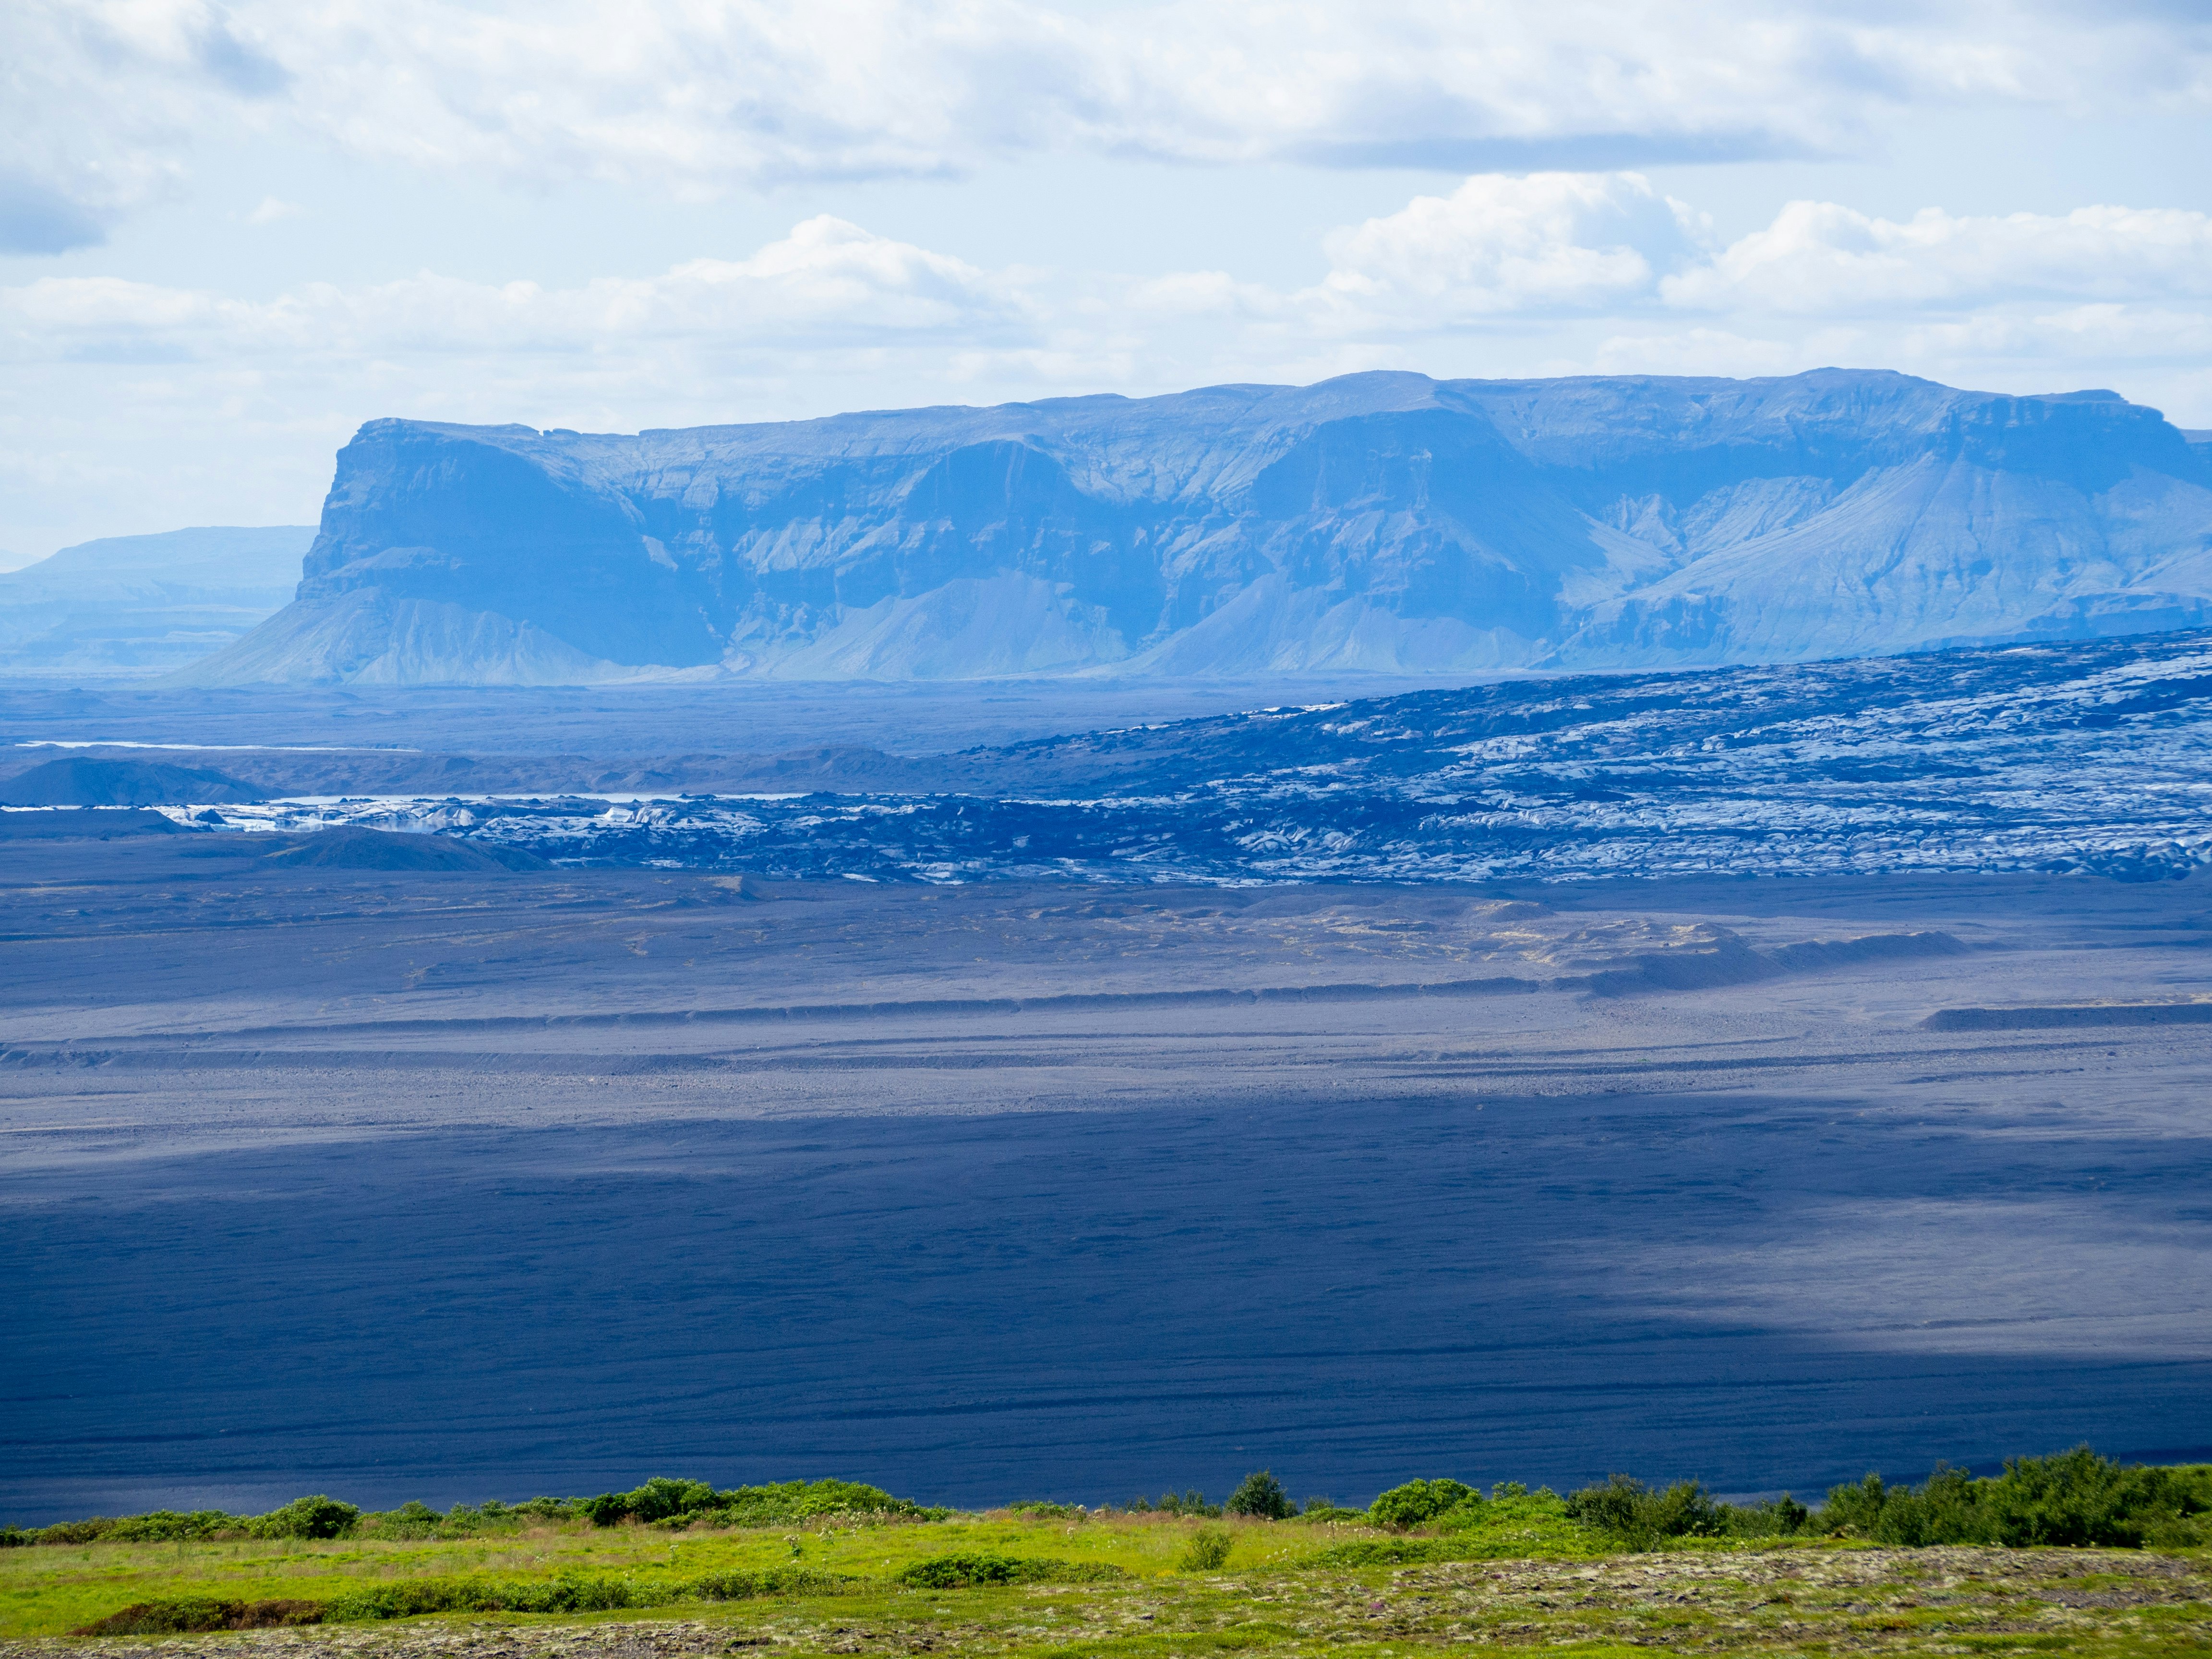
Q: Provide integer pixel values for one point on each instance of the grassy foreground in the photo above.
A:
(1132, 1585)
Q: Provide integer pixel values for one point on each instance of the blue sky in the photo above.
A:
(229, 235)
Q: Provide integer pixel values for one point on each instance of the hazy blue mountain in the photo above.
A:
(1378, 522)
(133, 605)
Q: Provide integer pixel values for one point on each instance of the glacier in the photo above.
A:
(2089, 757)
(1376, 523)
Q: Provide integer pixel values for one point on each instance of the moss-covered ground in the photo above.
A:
(1529, 1579)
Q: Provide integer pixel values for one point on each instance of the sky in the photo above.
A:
(229, 235)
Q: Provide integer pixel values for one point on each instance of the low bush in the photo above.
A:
(2075, 1498)
(1208, 1549)
(305, 1517)
(1327, 1512)
(570, 1593)
(1385, 1552)
(1641, 1516)
(1174, 1503)
(1261, 1497)
(168, 1526)
(189, 1615)
(1783, 1517)
(959, 1572)
(1418, 1502)
(663, 1502)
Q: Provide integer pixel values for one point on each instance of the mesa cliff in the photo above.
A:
(1382, 522)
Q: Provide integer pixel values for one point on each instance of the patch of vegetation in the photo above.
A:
(1640, 1517)
(190, 1615)
(1173, 1503)
(418, 1520)
(1418, 1502)
(1512, 1523)
(2074, 1498)
(961, 1571)
(1208, 1550)
(663, 1502)
(570, 1593)
(303, 1517)
(1231, 1569)
(1327, 1512)
(1261, 1497)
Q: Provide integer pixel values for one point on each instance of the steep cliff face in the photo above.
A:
(1379, 522)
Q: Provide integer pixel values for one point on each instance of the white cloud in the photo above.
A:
(1550, 241)
(1820, 259)
(272, 211)
(828, 284)
(693, 98)
(220, 408)
(1501, 256)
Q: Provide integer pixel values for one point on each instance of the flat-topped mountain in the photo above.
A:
(1382, 521)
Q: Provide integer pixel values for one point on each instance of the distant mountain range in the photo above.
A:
(130, 606)
(1382, 522)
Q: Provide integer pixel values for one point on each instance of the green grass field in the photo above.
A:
(1526, 1577)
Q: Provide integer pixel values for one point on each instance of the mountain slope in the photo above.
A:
(1378, 522)
(128, 606)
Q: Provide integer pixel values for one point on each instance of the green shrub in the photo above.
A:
(959, 1572)
(186, 1615)
(1785, 1518)
(662, 1502)
(305, 1517)
(168, 1526)
(1174, 1503)
(657, 1499)
(1641, 1518)
(570, 1593)
(776, 1581)
(413, 1519)
(1262, 1497)
(1327, 1510)
(1386, 1553)
(1208, 1550)
(1419, 1502)
(2075, 1498)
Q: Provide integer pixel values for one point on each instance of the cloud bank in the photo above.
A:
(1545, 273)
(698, 98)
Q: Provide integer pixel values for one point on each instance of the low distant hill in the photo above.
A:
(132, 606)
(1381, 522)
(77, 780)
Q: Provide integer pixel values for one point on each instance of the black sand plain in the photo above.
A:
(454, 1185)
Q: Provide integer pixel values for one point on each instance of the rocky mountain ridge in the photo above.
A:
(1381, 522)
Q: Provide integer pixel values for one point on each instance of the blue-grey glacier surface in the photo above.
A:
(2091, 756)
(1376, 523)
